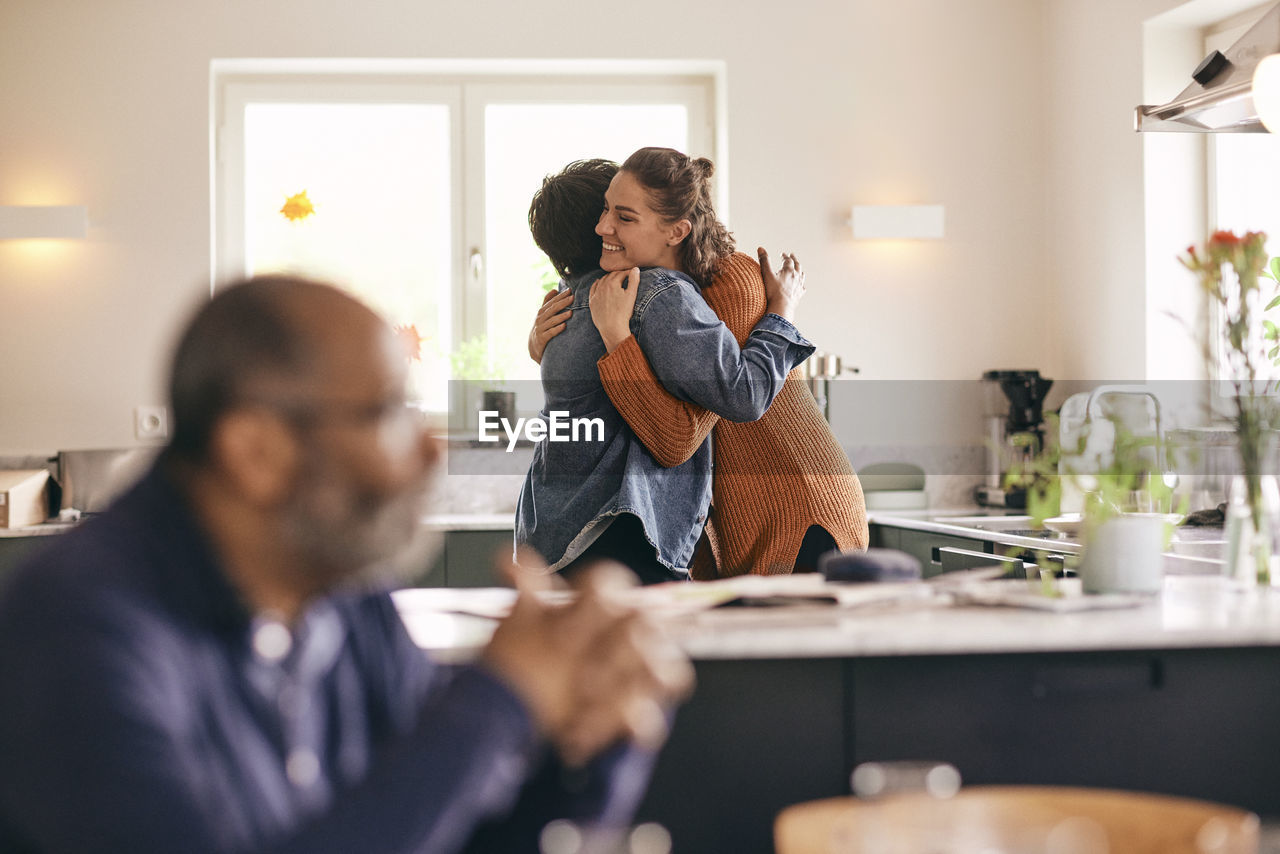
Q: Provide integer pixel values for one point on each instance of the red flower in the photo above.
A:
(1224, 239)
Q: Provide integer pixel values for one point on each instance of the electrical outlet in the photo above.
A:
(151, 422)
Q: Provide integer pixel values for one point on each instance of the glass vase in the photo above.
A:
(1252, 524)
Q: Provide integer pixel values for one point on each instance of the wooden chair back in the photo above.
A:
(1031, 819)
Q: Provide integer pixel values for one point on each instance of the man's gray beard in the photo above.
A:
(356, 542)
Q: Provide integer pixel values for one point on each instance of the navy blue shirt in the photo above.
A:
(145, 708)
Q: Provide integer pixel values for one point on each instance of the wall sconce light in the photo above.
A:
(920, 222)
(20, 222)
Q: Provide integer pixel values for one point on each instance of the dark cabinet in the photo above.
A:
(14, 550)
(466, 559)
(760, 735)
(926, 546)
(1196, 723)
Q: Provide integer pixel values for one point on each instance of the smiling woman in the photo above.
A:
(784, 491)
(632, 233)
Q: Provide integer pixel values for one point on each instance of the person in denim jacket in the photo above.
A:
(784, 491)
(605, 495)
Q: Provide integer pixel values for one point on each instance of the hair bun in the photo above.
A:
(704, 166)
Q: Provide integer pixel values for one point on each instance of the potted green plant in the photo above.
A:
(475, 362)
(1123, 541)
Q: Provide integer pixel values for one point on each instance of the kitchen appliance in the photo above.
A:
(819, 369)
(1014, 419)
(1090, 426)
(1219, 98)
(91, 479)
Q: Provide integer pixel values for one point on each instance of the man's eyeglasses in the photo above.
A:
(318, 412)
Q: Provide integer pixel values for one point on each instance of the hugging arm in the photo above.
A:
(693, 354)
(669, 427)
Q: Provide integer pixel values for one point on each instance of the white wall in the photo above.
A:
(105, 103)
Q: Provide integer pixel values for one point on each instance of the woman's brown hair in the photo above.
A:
(679, 187)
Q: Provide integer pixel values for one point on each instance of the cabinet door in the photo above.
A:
(14, 550)
(464, 559)
(1196, 723)
(755, 737)
(921, 545)
(469, 557)
(884, 537)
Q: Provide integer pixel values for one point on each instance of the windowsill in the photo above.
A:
(470, 442)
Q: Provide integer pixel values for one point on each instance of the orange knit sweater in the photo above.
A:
(773, 477)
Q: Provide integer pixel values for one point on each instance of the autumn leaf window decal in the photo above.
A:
(297, 207)
(410, 340)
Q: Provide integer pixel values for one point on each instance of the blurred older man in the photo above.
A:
(209, 667)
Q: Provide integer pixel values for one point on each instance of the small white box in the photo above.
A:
(24, 498)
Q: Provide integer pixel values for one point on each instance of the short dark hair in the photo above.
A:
(244, 335)
(564, 213)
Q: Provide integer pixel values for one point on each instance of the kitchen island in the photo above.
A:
(1175, 694)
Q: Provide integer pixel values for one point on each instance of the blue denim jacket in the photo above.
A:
(574, 488)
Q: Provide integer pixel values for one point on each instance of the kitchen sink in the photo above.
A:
(1003, 524)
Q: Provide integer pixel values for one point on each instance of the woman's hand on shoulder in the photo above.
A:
(785, 288)
(552, 316)
(613, 298)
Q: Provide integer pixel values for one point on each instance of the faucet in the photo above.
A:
(1092, 405)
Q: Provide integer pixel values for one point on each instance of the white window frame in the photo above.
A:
(466, 87)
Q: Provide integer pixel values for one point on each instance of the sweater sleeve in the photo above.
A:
(697, 358)
(670, 428)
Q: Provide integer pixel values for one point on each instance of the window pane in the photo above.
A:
(379, 179)
(1247, 179)
(524, 143)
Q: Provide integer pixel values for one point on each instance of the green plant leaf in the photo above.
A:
(548, 278)
(474, 360)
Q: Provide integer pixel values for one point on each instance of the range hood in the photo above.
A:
(1220, 97)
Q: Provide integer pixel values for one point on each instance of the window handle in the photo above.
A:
(475, 261)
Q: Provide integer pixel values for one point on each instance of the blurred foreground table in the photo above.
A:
(1175, 694)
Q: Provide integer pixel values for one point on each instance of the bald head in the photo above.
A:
(270, 339)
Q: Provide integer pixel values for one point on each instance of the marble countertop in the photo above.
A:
(964, 522)
(1191, 550)
(438, 521)
(471, 521)
(43, 530)
(889, 620)
(1187, 615)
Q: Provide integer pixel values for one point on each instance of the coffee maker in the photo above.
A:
(1014, 419)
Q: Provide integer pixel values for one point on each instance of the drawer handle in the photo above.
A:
(951, 559)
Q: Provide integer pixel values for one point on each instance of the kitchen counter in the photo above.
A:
(42, 530)
(991, 525)
(464, 558)
(1193, 612)
(471, 521)
(1176, 695)
(1192, 551)
(438, 521)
